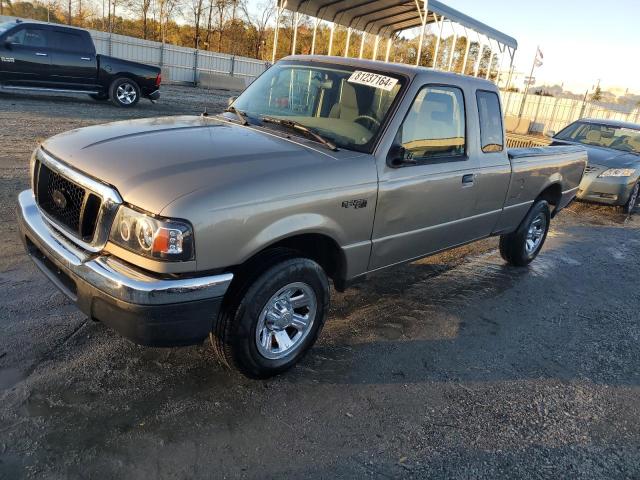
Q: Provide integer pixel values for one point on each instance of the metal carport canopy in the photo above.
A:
(386, 17)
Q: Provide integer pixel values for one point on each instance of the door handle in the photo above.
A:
(467, 180)
(40, 54)
(87, 59)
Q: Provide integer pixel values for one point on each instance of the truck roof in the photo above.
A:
(411, 71)
(51, 24)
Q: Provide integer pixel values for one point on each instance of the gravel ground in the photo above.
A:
(454, 366)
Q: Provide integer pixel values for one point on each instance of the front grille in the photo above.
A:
(71, 205)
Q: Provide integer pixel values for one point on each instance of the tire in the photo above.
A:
(630, 206)
(249, 336)
(521, 247)
(99, 97)
(124, 92)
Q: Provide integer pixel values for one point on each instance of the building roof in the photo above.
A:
(386, 17)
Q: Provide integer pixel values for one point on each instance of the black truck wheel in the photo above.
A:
(521, 247)
(124, 92)
(269, 323)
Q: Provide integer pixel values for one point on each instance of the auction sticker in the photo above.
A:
(373, 80)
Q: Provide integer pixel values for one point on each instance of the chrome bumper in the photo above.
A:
(106, 273)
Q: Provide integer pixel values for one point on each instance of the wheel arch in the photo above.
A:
(317, 246)
(552, 194)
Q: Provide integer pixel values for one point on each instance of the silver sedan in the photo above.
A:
(612, 176)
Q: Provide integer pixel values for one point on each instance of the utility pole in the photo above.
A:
(537, 62)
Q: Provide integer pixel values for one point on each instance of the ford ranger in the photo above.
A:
(55, 58)
(172, 230)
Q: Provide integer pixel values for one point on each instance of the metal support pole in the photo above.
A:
(388, 52)
(490, 60)
(424, 13)
(375, 48)
(195, 67)
(346, 48)
(479, 58)
(512, 54)
(453, 50)
(364, 36)
(331, 30)
(437, 52)
(296, 20)
(315, 32)
(466, 52)
(280, 8)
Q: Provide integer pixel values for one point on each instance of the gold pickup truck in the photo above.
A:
(230, 227)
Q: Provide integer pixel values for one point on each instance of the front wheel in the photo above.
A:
(633, 199)
(124, 92)
(274, 320)
(521, 247)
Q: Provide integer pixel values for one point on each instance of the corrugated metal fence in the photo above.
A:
(550, 113)
(179, 64)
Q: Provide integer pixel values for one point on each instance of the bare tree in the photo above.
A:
(221, 7)
(142, 8)
(197, 8)
(259, 19)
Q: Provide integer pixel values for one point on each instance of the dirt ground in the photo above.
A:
(455, 366)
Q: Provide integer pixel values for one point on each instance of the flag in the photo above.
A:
(539, 58)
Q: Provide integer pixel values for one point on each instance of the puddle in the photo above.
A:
(10, 376)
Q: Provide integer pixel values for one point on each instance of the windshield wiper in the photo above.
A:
(293, 125)
(241, 115)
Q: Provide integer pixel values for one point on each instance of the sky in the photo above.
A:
(582, 41)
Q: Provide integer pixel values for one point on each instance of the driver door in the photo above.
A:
(25, 56)
(427, 204)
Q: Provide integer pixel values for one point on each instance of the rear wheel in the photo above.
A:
(633, 199)
(270, 322)
(124, 92)
(521, 247)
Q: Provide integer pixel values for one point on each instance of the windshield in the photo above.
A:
(607, 136)
(343, 105)
(6, 26)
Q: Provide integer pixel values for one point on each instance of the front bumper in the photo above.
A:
(606, 190)
(147, 309)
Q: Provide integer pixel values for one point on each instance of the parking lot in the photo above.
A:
(456, 365)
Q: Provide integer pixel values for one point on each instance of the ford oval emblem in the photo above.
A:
(59, 198)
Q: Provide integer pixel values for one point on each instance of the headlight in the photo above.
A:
(618, 172)
(152, 237)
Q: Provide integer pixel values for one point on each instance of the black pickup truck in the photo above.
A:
(56, 58)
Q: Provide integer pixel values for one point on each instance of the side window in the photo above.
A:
(70, 42)
(30, 37)
(435, 125)
(491, 132)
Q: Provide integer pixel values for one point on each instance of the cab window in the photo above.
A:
(70, 42)
(434, 128)
(30, 37)
(491, 132)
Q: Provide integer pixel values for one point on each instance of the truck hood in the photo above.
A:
(152, 162)
(607, 157)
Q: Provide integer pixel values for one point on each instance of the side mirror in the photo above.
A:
(550, 133)
(230, 100)
(398, 156)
